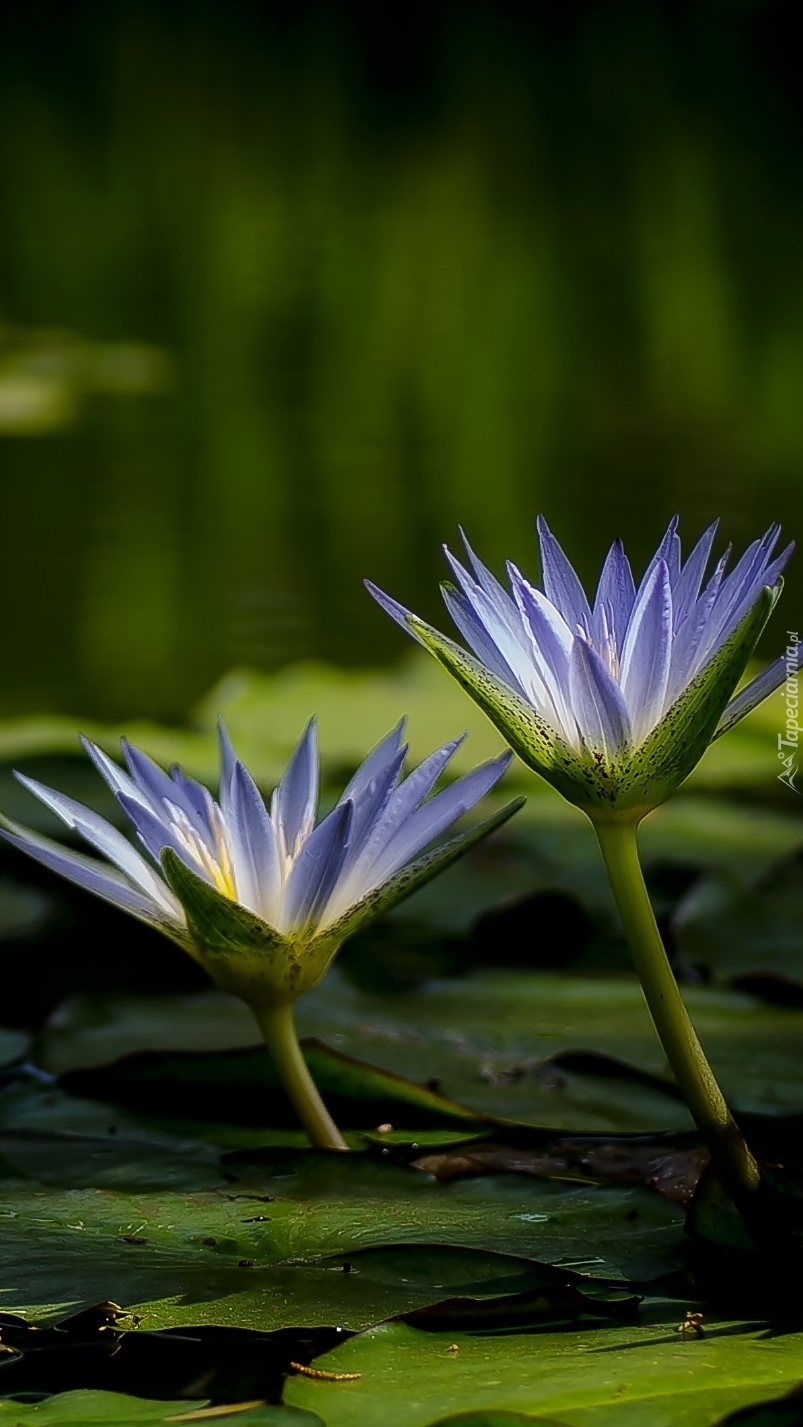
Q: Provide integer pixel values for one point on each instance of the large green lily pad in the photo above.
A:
(623, 1376)
(113, 1409)
(488, 1041)
(257, 1253)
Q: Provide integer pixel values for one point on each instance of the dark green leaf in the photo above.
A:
(645, 1374)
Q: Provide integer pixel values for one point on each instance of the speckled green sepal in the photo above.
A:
(240, 951)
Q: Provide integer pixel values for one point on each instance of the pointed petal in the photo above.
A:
(156, 835)
(381, 758)
(616, 594)
(752, 695)
(316, 869)
(390, 606)
(399, 807)
(647, 653)
(370, 801)
(100, 833)
(597, 701)
(477, 636)
(295, 801)
(106, 882)
(551, 647)
(685, 660)
(669, 552)
(679, 741)
(228, 758)
(735, 599)
(111, 772)
(497, 602)
(433, 817)
(687, 588)
(254, 851)
(156, 788)
(561, 584)
(495, 591)
(152, 782)
(379, 900)
(501, 619)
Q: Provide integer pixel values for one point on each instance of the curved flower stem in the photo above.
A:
(729, 1151)
(279, 1033)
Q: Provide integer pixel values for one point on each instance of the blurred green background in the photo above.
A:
(288, 291)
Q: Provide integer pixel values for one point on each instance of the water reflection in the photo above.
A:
(553, 266)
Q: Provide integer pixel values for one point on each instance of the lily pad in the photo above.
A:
(603, 1377)
(496, 1041)
(257, 1254)
(114, 1409)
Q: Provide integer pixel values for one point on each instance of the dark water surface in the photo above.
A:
(288, 297)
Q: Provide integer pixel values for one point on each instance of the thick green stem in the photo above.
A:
(279, 1032)
(678, 1037)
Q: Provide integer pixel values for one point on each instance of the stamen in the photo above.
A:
(218, 869)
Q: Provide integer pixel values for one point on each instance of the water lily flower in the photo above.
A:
(615, 701)
(264, 897)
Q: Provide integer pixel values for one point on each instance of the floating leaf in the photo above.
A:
(113, 1409)
(601, 1377)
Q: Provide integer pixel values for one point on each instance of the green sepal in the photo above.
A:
(216, 923)
(676, 745)
(408, 880)
(583, 779)
(529, 735)
(243, 953)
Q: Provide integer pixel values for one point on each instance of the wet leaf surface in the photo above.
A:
(504, 1043)
(620, 1375)
(521, 1149)
(85, 1408)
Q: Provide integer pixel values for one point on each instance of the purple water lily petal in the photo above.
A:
(370, 800)
(478, 638)
(295, 801)
(106, 839)
(252, 839)
(317, 868)
(396, 611)
(111, 772)
(400, 806)
(599, 708)
(497, 594)
(647, 652)
(435, 815)
(669, 552)
(228, 758)
(753, 694)
(561, 583)
(616, 594)
(97, 877)
(156, 835)
(687, 588)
